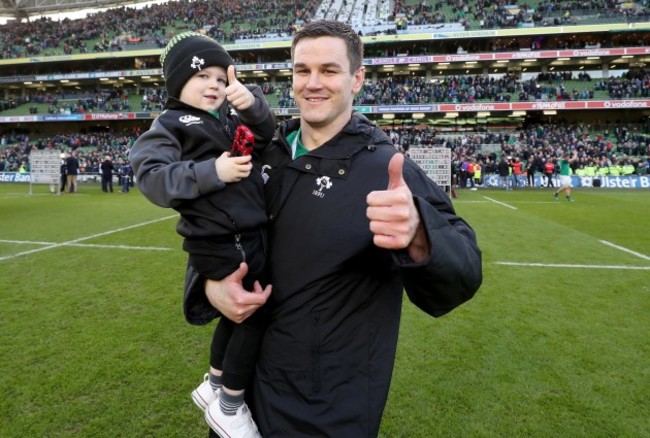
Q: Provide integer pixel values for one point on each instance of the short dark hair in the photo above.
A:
(336, 29)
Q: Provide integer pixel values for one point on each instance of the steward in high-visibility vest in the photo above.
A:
(477, 173)
(580, 171)
(614, 170)
(590, 170)
(628, 169)
(603, 171)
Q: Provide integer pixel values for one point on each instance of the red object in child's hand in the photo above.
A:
(243, 142)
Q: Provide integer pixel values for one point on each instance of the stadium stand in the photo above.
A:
(480, 77)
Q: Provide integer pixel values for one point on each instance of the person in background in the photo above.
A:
(126, 176)
(464, 172)
(106, 169)
(184, 161)
(71, 172)
(531, 168)
(549, 171)
(471, 162)
(353, 224)
(517, 173)
(64, 172)
(565, 176)
(504, 172)
(478, 172)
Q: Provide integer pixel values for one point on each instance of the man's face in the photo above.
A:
(323, 86)
(206, 89)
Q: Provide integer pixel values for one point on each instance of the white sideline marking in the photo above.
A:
(638, 254)
(500, 203)
(89, 245)
(81, 239)
(27, 242)
(463, 201)
(559, 265)
(9, 195)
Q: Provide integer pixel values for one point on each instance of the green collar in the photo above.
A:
(295, 141)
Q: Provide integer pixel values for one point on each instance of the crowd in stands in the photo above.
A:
(103, 101)
(394, 90)
(91, 148)
(410, 90)
(117, 28)
(125, 28)
(620, 150)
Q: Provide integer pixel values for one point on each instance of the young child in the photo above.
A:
(183, 161)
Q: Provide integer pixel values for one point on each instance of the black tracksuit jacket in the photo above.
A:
(174, 164)
(327, 356)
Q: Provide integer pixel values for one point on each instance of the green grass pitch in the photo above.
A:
(555, 344)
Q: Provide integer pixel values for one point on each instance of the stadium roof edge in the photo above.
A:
(27, 9)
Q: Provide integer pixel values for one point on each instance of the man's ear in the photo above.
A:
(359, 77)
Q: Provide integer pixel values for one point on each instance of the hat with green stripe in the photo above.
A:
(185, 55)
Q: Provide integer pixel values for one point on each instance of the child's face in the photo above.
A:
(206, 89)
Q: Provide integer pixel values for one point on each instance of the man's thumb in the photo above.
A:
(395, 178)
(240, 273)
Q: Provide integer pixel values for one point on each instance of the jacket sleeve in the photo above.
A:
(162, 177)
(452, 273)
(259, 118)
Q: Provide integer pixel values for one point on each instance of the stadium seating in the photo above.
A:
(450, 70)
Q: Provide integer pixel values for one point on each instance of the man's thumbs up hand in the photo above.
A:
(392, 213)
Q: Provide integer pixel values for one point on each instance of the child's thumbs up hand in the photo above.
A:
(237, 94)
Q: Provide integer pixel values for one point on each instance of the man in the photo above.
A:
(64, 172)
(126, 175)
(471, 169)
(549, 170)
(532, 165)
(106, 169)
(464, 173)
(515, 165)
(504, 172)
(353, 223)
(565, 176)
(72, 169)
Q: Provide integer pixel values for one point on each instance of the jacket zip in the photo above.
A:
(237, 235)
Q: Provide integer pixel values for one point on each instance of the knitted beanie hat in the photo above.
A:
(186, 54)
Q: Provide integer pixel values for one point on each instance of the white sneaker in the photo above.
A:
(203, 395)
(240, 425)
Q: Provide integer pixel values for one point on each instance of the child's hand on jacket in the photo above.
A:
(232, 169)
